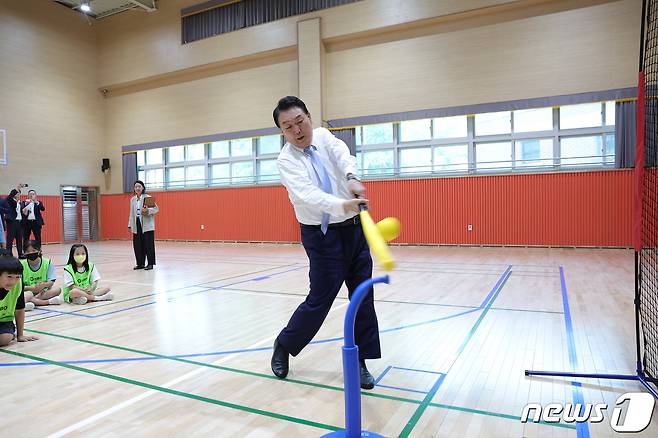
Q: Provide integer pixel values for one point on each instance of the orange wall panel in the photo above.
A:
(53, 231)
(557, 209)
(245, 213)
(561, 209)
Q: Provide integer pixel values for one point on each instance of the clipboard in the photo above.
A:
(149, 202)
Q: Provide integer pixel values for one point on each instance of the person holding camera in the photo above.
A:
(32, 218)
(14, 219)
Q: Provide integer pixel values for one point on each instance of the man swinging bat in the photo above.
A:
(319, 173)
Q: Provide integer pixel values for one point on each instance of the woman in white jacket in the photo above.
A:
(142, 224)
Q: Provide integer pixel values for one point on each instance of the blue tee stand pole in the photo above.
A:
(351, 374)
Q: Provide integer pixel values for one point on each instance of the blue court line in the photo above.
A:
(582, 429)
(486, 306)
(140, 358)
(35, 312)
(418, 371)
(195, 293)
(61, 312)
(137, 306)
(417, 324)
(84, 315)
(496, 286)
(165, 292)
(126, 309)
(244, 281)
(79, 362)
(381, 376)
(77, 313)
(573, 359)
(322, 341)
(422, 407)
(397, 388)
(416, 303)
(106, 303)
(402, 389)
(221, 353)
(247, 350)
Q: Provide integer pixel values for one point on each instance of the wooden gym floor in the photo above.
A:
(185, 348)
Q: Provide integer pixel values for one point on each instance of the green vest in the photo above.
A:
(80, 279)
(8, 303)
(31, 277)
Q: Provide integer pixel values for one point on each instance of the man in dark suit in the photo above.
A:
(318, 172)
(14, 220)
(32, 218)
(4, 210)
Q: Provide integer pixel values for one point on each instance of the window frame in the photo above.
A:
(397, 147)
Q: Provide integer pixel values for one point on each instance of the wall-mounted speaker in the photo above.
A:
(105, 165)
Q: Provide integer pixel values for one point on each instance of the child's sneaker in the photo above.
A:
(29, 306)
(55, 300)
(79, 300)
(107, 297)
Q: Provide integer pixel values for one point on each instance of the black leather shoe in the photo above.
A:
(148, 267)
(367, 381)
(280, 361)
(138, 267)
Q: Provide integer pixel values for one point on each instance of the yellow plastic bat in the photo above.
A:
(378, 234)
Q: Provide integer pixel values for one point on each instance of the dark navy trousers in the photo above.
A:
(342, 255)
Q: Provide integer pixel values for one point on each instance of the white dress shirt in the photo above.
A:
(303, 185)
(30, 209)
(138, 207)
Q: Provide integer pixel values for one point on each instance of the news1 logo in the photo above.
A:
(638, 412)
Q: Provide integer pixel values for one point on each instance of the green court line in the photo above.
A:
(509, 309)
(271, 377)
(269, 292)
(420, 410)
(180, 393)
(217, 367)
(87, 308)
(495, 414)
(111, 303)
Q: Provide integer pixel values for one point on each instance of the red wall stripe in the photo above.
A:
(247, 213)
(53, 231)
(556, 209)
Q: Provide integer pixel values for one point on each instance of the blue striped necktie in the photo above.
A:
(323, 176)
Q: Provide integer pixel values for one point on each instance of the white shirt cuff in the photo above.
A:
(337, 207)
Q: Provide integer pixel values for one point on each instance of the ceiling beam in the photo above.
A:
(145, 6)
(115, 11)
